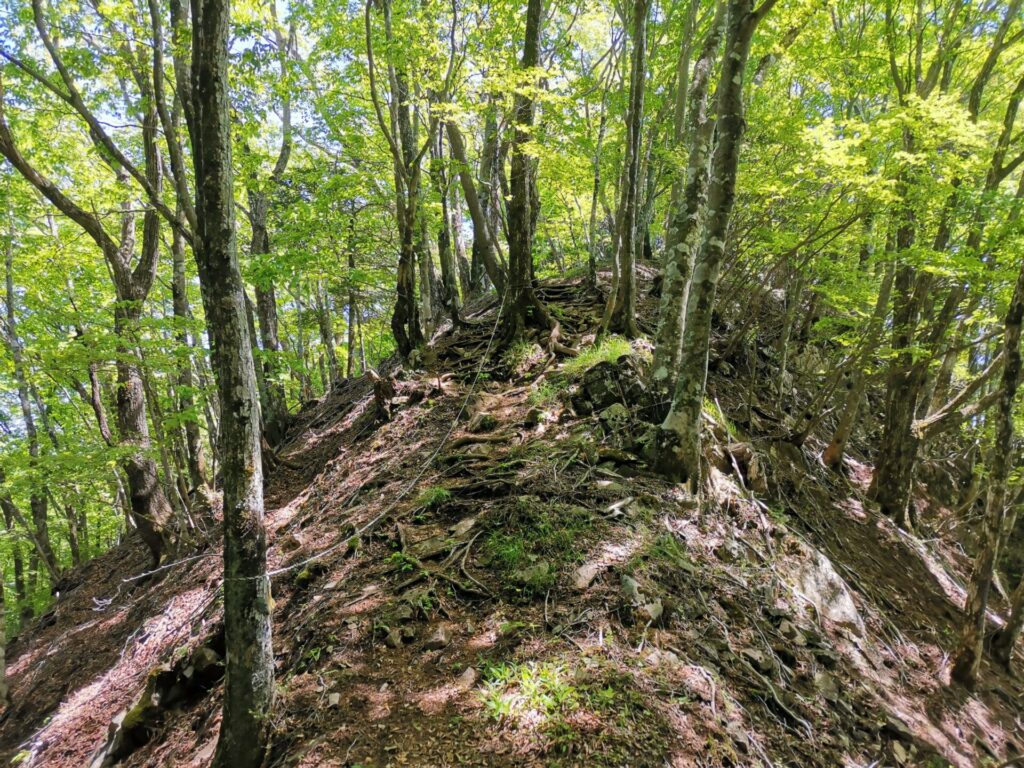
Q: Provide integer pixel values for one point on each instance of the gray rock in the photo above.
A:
(440, 638)
(586, 574)
(817, 581)
(630, 588)
(532, 575)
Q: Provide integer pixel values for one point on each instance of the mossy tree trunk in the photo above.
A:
(686, 212)
(678, 444)
(249, 670)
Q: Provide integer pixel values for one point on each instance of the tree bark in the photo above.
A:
(522, 306)
(249, 670)
(858, 381)
(483, 238)
(678, 443)
(194, 453)
(620, 312)
(687, 210)
(325, 323)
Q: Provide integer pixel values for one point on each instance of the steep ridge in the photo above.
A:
(480, 570)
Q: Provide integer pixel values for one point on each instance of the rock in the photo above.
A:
(462, 527)
(630, 588)
(468, 679)
(789, 631)
(440, 638)
(818, 583)
(658, 656)
(758, 660)
(729, 551)
(610, 486)
(586, 574)
(615, 418)
(534, 575)
(481, 422)
(826, 685)
(654, 611)
(393, 639)
(606, 383)
(899, 753)
(533, 417)
(333, 699)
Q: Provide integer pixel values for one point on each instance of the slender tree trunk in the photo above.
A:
(151, 511)
(687, 211)
(678, 446)
(522, 307)
(37, 497)
(458, 246)
(620, 313)
(3, 642)
(595, 195)
(276, 416)
(352, 308)
(249, 671)
(326, 325)
(194, 453)
(446, 257)
(968, 658)
(484, 249)
(857, 382)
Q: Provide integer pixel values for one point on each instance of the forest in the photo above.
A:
(533, 383)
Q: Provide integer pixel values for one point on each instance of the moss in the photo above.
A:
(609, 350)
(534, 532)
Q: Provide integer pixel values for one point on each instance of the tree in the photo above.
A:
(151, 511)
(249, 669)
(522, 306)
(620, 313)
(678, 446)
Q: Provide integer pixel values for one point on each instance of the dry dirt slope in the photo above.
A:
(513, 588)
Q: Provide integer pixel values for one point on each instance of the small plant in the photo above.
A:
(433, 497)
(402, 562)
(512, 690)
(545, 393)
(666, 548)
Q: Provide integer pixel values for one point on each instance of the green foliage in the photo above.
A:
(433, 497)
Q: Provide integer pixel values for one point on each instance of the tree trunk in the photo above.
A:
(194, 454)
(678, 446)
(275, 420)
(326, 325)
(151, 511)
(37, 497)
(3, 642)
(687, 210)
(620, 313)
(522, 307)
(249, 671)
(858, 381)
(968, 658)
(483, 238)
